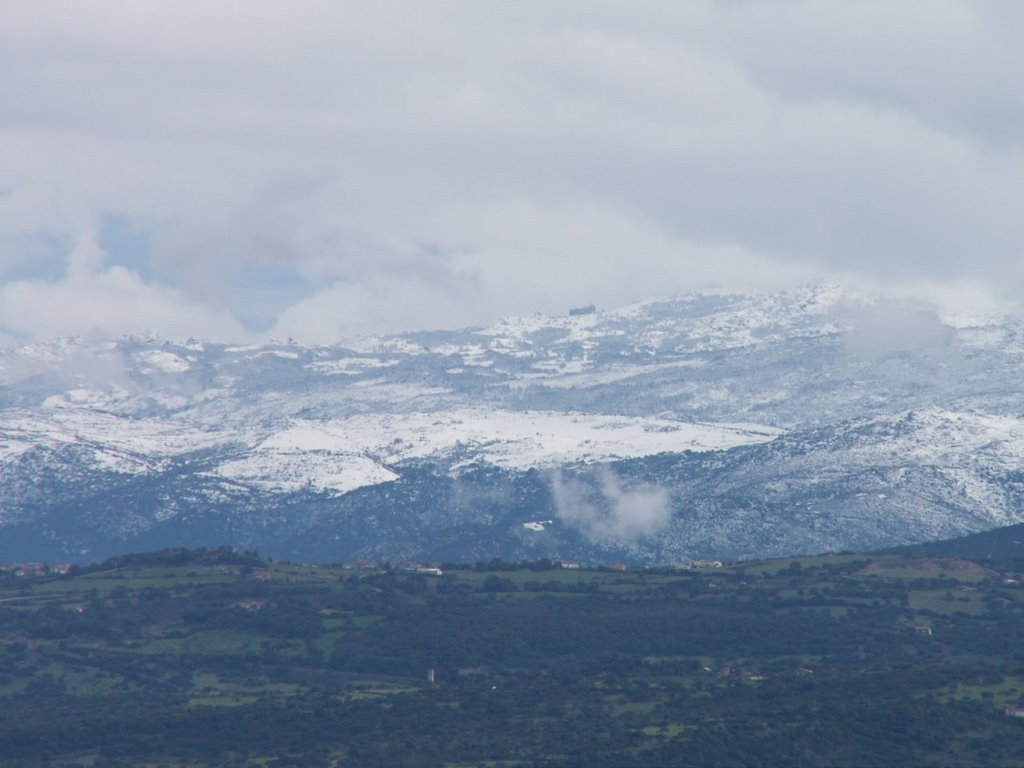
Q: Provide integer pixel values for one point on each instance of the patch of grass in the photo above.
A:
(633, 707)
(15, 686)
(376, 691)
(775, 567)
(91, 682)
(219, 642)
(1006, 693)
(561, 576)
(328, 640)
(668, 731)
(222, 701)
(947, 602)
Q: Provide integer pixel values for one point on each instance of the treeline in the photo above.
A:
(178, 556)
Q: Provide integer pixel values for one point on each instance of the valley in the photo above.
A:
(213, 657)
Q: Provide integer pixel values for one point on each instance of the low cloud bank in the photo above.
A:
(890, 326)
(600, 507)
(325, 170)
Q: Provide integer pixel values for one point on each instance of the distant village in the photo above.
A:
(46, 569)
(36, 569)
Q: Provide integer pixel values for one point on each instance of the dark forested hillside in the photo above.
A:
(217, 658)
(1001, 544)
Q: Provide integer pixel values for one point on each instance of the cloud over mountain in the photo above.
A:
(323, 169)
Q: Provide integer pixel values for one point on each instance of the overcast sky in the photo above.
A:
(320, 170)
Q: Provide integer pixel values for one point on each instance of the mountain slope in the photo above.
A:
(725, 426)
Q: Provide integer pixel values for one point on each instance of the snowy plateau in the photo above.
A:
(704, 426)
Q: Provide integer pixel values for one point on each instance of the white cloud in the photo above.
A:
(350, 310)
(107, 302)
(892, 326)
(322, 169)
(601, 508)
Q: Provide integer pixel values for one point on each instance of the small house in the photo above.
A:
(30, 569)
(706, 564)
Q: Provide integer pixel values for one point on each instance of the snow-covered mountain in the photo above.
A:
(706, 425)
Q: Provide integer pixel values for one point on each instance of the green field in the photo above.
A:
(215, 658)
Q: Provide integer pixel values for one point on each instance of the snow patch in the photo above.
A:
(351, 366)
(537, 525)
(512, 439)
(164, 361)
(306, 470)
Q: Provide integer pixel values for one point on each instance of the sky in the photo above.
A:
(324, 170)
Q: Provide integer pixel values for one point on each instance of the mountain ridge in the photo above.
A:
(729, 425)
